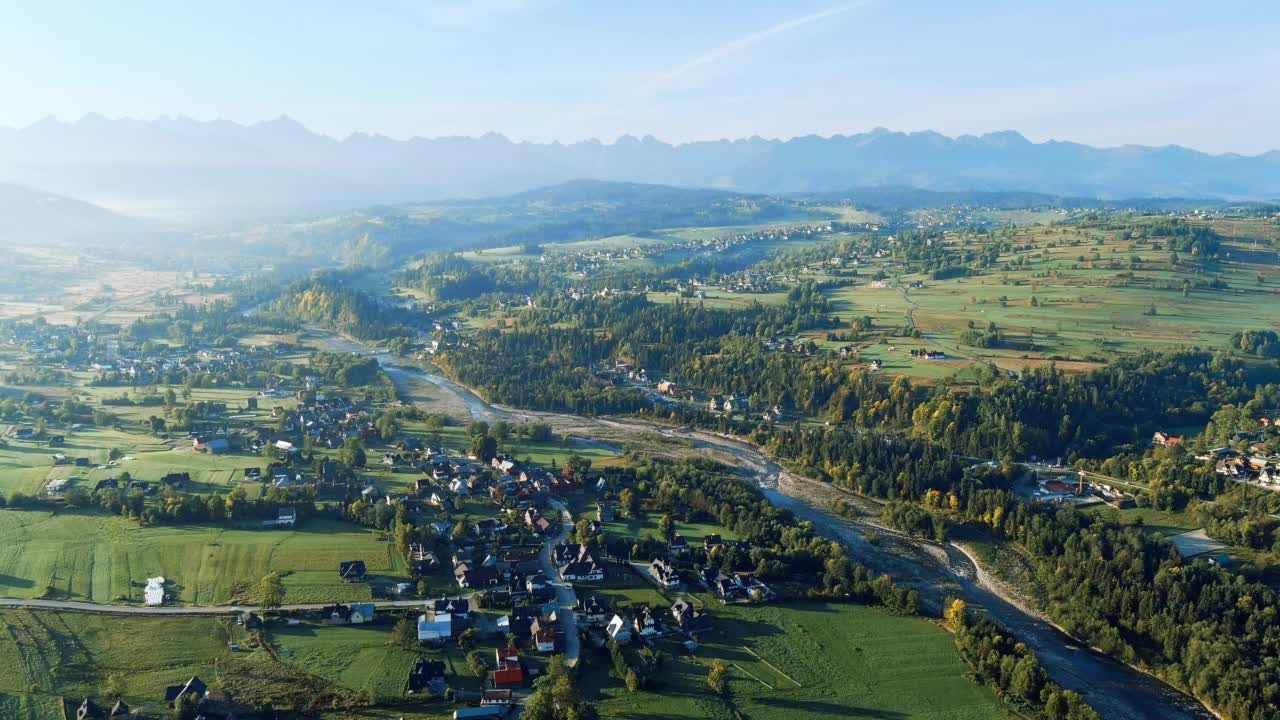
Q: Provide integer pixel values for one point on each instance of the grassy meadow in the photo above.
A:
(1075, 295)
(107, 559)
(808, 661)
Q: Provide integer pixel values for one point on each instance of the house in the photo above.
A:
(519, 622)
(194, 687)
(120, 710)
(604, 511)
(426, 676)
(1164, 439)
(484, 712)
(89, 710)
(711, 543)
(496, 697)
(582, 571)
(664, 574)
(644, 623)
(510, 674)
(476, 578)
(536, 522)
(578, 563)
(440, 528)
(216, 446)
(736, 587)
(285, 517)
(437, 630)
(689, 619)
(678, 547)
(362, 613)
(535, 582)
(591, 611)
(457, 607)
(351, 571)
(545, 641)
(619, 629)
(489, 527)
(154, 592)
(336, 614)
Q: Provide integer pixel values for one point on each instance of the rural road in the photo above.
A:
(179, 609)
(565, 596)
(1116, 691)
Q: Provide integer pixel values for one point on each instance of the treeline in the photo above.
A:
(1011, 669)
(545, 368)
(546, 363)
(777, 547)
(328, 301)
(1199, 627)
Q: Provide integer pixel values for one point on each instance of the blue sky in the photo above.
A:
(1202, 74)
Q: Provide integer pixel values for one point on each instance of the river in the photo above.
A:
(1112, 688)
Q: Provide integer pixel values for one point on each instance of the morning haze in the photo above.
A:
(559, 361)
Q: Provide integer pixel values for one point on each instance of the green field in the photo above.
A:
(360, 657)
(1094, 291)
(808, 661)
(25, 466)
(47, 655)
(106, 559)
(357, 657)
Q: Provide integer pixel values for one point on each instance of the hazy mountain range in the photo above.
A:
(179, 168)
(37, 215)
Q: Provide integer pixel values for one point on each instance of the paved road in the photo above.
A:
(1115, 690)
(178, 609)
(565, 595)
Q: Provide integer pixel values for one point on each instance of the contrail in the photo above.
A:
(731, 48)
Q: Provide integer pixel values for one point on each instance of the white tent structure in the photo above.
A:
(154, 593)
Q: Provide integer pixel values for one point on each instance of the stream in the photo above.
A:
(935, 571)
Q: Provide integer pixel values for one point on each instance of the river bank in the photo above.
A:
(935, 571)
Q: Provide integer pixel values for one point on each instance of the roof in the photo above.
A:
(365, 609)
(194, 686)
(484, 711)
(154, 592)
(509, 675)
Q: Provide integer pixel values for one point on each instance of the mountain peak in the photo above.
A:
(1005, 138)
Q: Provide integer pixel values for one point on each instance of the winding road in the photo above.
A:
(565, 596)
(1115, 690)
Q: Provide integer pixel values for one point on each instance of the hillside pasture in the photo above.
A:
(100, 558)
(810, 661)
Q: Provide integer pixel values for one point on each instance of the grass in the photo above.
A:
(47, 655)
(357, 657)
(102, 558)
(1086, 311)
(807, 661)
(25, 466)
(1158, 523)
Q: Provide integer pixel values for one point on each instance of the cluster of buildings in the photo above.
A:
(506, 482)
(1247, 468)
(643, 622)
